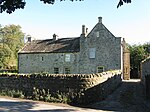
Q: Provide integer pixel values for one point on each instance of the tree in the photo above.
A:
(137, 54)
(11, 5)
(11, 40)
(121, 2)
(147, 47)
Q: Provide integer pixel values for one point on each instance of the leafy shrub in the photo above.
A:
(12, 93)
(44, 95)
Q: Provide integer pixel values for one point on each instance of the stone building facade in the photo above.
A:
(93, 52)
(145, 75)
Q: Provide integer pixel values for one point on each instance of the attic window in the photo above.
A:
(67, 58)
(97, 34)
(92, 52)
(100, 69)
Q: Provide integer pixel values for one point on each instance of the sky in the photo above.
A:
(41, 21)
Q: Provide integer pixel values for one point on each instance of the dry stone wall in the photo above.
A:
(82, 88)
(145, 67)
(145, 76)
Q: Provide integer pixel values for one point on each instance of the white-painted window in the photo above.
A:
(67, 58)
(97, 34)
(92, 52)
(100, 69)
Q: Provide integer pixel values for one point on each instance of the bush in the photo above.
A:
(12, 93)
(44, 95)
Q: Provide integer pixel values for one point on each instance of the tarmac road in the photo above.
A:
(8, 104)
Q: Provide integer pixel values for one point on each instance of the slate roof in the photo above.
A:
(63, 45)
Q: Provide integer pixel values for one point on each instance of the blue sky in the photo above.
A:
(41, 21)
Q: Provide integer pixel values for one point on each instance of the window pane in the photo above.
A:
(56, 70)
(100, 69)
(67, 57)
(97, 33)
(92, 52)
(67, 70)
(42, 58)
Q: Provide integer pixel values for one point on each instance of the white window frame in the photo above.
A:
(67, 57)
(92, 53)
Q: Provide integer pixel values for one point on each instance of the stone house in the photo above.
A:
(145, 75)
(93, 52)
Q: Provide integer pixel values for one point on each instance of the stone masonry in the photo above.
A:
(82, 88)
(126, 61)
(145, 76)
(107, 50)
(145, 67)
(33, 62)
(93, 52)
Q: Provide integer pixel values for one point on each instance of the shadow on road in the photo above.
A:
(16, 106)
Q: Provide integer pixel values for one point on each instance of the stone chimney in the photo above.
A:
(28, 38)
(83, 30)
(54, 37)
(86, 30)
(99, 19)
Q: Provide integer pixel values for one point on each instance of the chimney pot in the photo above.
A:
(100, 19)
(83, 29)
(54, 36)
(29, 38)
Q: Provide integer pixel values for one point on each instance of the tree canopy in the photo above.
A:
(11, 40)
(137, 54)
(11, 5)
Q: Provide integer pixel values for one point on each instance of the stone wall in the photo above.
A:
(83, 88)
(145, 67)
(46, 62)
(107, 50)
(145, 76)
(126, 60)
(126, 65)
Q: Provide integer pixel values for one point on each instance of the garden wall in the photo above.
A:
(80, 88)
